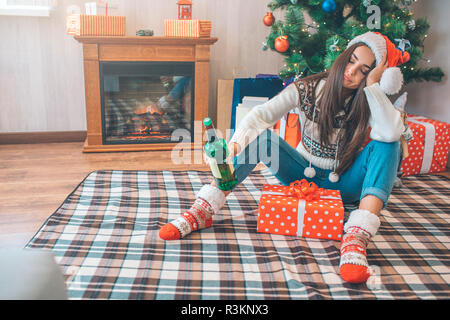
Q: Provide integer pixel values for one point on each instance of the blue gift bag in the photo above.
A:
(260, 87)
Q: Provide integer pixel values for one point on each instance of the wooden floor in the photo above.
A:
(36, 178)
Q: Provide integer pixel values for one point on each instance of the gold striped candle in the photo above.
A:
(96, 25)
(187, 28)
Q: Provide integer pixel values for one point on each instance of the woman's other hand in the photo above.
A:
(376, 73)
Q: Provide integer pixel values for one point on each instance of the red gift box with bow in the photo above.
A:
(428, 150)
(301, 209)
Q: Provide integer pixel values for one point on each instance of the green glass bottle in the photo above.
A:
(217, 152)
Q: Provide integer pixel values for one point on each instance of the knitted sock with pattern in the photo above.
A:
(360, 227)
(209, 201)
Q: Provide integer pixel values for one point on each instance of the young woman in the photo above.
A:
(336, 109)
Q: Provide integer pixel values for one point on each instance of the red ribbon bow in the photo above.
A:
(302, 189)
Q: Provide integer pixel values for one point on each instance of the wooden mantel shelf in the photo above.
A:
(109, 48)
(145, 40)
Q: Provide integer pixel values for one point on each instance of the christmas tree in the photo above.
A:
(313, 47)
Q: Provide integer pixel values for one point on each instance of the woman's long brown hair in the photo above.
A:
(331, 101)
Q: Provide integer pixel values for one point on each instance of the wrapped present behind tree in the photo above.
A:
(187, 28)
(301, 209)
(248, 103)
(288, 128)
(428, 148)
(95, 25)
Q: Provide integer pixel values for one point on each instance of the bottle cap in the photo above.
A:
(207, 122)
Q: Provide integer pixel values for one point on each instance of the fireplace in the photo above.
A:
(145, 102)
(140, 90)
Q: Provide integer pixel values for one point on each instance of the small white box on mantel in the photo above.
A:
(101, 7)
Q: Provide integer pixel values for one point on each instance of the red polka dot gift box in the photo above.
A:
(428, 148)
(301, 209)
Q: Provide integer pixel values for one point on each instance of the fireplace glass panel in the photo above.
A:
(144, 102)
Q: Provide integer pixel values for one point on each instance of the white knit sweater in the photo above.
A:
(385, 120)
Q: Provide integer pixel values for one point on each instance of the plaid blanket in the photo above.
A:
(105, 238)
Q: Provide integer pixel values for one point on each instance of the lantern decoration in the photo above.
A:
(184, 10)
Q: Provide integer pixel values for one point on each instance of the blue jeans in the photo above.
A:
(373, 171)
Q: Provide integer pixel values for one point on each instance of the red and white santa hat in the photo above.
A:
(392, 79)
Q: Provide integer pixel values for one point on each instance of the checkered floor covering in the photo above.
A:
(105, 238)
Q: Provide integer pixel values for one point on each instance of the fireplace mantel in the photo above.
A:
(97, 49)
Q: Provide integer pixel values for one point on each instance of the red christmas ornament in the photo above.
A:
(269, 19)
(281, 43)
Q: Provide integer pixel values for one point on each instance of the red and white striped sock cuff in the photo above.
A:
(213, 196)
(363, 219)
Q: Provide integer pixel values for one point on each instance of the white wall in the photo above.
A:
(41, 69)
(432, 99)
